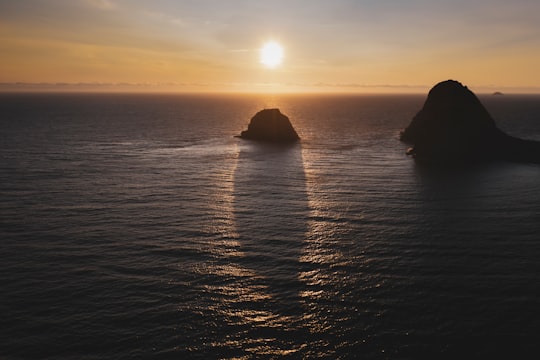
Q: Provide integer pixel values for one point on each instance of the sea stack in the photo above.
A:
(454, 127)
(270, 125)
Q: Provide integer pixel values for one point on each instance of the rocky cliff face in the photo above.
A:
(272, 126)
(454, 127)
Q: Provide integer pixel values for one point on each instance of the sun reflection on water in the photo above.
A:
(276, 269)
(241, 293)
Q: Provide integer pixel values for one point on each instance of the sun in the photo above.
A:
(271, 54)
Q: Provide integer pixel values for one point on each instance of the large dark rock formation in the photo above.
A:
(270, 125)
(454, 127)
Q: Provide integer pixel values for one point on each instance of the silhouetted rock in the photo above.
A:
(497, 93)
(270, 125)
(454, 127)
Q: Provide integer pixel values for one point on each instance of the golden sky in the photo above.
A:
(338, 45)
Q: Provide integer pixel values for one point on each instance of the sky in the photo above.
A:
(204, 45)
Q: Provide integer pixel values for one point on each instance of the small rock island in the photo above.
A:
(270, 125)
(453, 127)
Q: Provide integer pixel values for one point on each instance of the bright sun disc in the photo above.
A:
(271, 54)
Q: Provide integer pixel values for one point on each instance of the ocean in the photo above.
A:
(138, 226)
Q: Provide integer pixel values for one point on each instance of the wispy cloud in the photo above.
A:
(101, 4)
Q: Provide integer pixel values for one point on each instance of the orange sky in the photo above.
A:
(203, 45)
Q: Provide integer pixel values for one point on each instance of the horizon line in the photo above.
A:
(175, 87)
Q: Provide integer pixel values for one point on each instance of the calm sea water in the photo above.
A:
(138, 226)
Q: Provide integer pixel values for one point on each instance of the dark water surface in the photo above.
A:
(137, 226)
